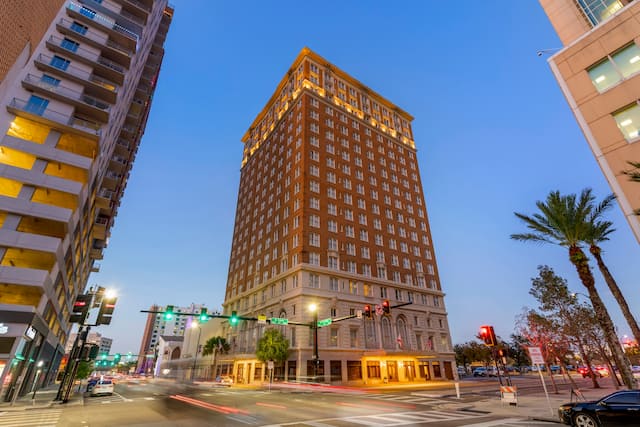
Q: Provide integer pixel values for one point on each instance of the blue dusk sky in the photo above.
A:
(493, 131)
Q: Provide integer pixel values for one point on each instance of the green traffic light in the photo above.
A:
(234, 318)
(203, 315)
(168, 313)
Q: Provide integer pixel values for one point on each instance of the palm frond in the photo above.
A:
(634, 174)
(530, 237)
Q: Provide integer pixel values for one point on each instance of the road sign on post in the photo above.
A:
(535, 353)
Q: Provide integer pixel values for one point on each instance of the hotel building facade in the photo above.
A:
(77, 83)
(331, 212)
(598, 72)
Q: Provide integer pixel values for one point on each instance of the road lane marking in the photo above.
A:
(271, 405)
(495, 422)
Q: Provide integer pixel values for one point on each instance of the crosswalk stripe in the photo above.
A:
(47, 418)
(386, 420)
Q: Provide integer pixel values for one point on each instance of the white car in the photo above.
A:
(226, 380)
(102, 387)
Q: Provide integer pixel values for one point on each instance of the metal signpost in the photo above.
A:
(535, 353)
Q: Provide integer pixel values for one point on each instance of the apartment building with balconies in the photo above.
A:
(73, 108)
(331, 212)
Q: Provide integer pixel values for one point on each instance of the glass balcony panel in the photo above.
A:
(67, 92)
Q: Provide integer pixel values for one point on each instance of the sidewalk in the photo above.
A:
(533, 406)
(44, 398)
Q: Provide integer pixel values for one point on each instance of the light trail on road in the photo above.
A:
(207, 405)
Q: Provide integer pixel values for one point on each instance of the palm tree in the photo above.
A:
(563, 221)
(598, 232)
(214, 346)
(634, 175)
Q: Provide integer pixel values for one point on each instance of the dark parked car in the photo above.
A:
(621, 408)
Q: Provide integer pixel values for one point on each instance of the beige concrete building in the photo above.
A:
(77, 82)
(598, 72)
(331, 212)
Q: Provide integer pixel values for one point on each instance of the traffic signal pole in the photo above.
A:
(72, 365)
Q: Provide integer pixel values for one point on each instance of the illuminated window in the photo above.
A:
(628, 122)
(615, 67)
(597, 11)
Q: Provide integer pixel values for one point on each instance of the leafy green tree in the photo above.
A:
(564, 221)
(272, 346)
(517, 350)
(470, 352)
(84, 369)
(575, 323)
(598, 232)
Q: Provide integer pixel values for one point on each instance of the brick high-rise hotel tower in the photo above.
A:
(331, 212)
(76, 82)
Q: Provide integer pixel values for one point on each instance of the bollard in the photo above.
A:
(457, 384)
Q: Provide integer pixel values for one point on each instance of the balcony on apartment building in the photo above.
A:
(105, 67)
(104, 196)
(100, 227)
(111, 179)
(119, 31)
(95, 86)
(57, 120)
(129, 132)
(138, 7)
(86, 105)
(110, 49)
(123, 148)
(118, 163)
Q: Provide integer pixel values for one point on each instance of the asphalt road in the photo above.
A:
(152, 404)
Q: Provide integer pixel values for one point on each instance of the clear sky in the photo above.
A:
(493, 131)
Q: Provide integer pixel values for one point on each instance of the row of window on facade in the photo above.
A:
(277, 144)
(357, 99)
(333, 284)
(607, 73)
(388, 336)
(282, 102)
(356, 370)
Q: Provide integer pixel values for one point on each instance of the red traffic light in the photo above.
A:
(386, 309)
(488, 335)
(367, 311)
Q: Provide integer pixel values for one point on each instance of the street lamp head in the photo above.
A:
(110, 293)
(313, 307)
(194, 324)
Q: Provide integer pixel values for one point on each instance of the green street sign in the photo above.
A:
(279, 321)
(324, 322)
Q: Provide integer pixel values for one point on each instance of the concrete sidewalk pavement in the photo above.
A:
(43, 398)
(533, 406)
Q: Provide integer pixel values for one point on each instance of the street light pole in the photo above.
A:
(314, 326)
(195, 357)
